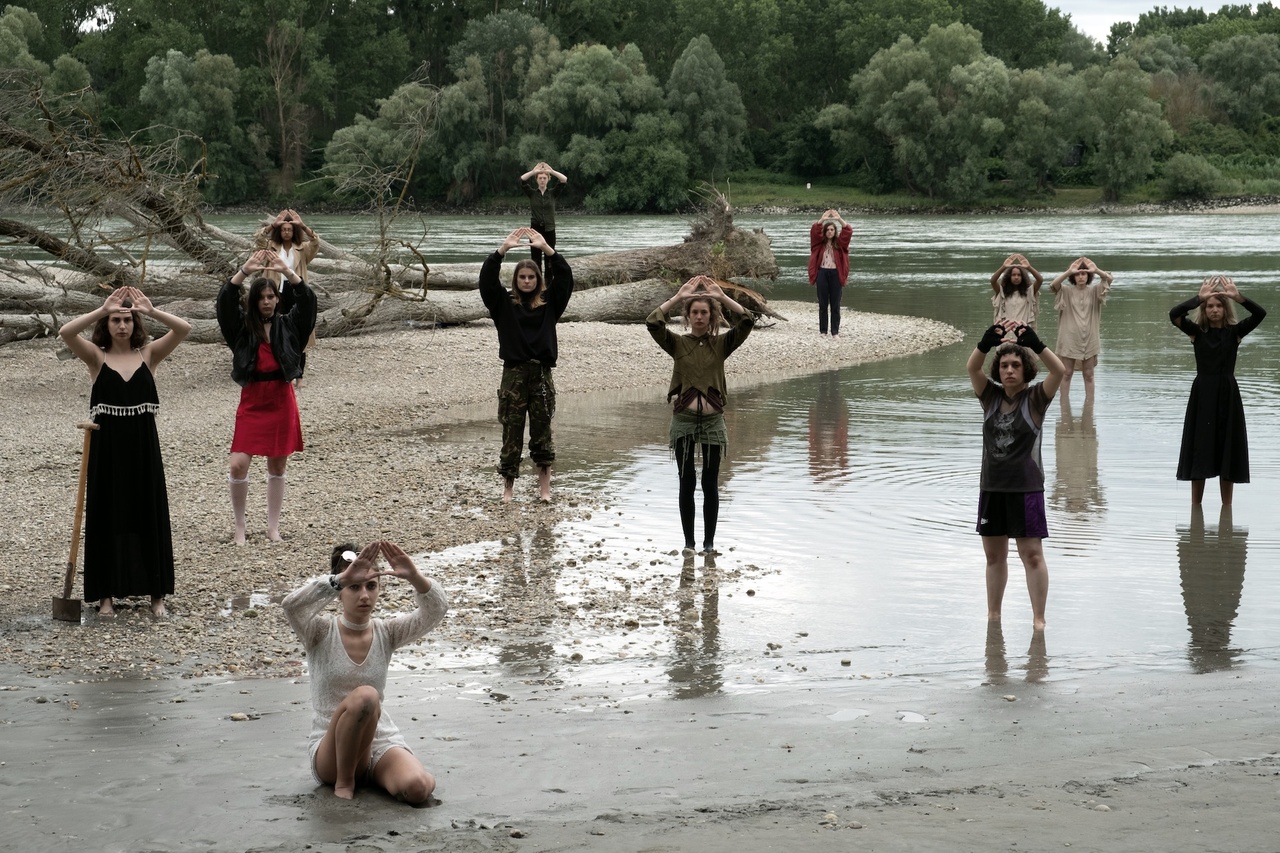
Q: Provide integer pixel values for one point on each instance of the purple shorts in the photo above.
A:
(1018, 515)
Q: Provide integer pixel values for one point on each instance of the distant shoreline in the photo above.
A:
(505, 207)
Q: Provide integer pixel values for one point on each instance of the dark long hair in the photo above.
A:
(537, 298)
(1007, 285)
(101, 336)
(252, 316)
(1024, 354)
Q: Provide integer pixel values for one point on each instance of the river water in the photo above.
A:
(849, 497)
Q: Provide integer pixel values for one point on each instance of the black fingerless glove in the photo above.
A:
(1028, 338)
(990, 339)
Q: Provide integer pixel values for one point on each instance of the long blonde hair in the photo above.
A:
(1228, 305)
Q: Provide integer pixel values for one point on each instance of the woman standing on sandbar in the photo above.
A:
(542, 208)
(526, 318)
(128, 542)
(698, 392)
(1214, 441)
(829, 267)
(266, 356)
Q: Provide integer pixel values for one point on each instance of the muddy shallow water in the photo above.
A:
(848, 498)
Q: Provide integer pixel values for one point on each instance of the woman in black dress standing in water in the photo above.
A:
(1214, 442)
(128, 543)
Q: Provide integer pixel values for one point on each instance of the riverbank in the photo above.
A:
(377, 464)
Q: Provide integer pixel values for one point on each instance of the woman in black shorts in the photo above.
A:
(1011, 503)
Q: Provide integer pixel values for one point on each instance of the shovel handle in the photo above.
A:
(88, 427)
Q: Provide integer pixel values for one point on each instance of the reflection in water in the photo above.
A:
(828, 430)
(695, 668)
(1076, 489)
(527, 591)
(997, 665)
(1212, 568)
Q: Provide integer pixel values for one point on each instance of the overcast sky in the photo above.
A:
(1095, 17)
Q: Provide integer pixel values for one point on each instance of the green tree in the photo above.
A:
(392, 152)
(1245, 71)
(870, 27)
(708, 108)
(1044, 126)
(606, 116)
(1021, 33)
(1126, 126)
(195, 98)
(939, 105)
(19, 30)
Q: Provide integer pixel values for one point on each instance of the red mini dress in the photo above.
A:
(267, 420)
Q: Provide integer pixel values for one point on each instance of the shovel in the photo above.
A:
(67, 609)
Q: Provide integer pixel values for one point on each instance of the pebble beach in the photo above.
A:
(372, 468)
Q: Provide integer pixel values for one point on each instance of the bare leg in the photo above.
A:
(508, 489)
(1086, 368)
(1031, 550)
(106, 607)
(1197, 492)
(997, 550)
(238, 484)
(544, 483)
(344, 749)
(404, 777)
(1069, 365)
(1226, 488)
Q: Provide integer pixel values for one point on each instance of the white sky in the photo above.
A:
(1095, 17)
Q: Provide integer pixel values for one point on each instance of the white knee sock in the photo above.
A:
(275, 500)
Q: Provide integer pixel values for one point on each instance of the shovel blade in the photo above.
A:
(66, 609)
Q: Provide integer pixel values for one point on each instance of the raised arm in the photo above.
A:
(1028, 338)
(1256, 312)
(72, 330)
(990, 338)
(158, 350)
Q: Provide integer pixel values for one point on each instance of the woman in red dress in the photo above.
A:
(266, 349)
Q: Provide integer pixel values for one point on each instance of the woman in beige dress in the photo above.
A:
(1078, 300)
(1017, 292)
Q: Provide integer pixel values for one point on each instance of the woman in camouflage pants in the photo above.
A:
(526, 318)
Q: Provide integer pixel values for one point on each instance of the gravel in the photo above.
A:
(372, 468)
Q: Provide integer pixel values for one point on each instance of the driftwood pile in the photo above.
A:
(358, 295)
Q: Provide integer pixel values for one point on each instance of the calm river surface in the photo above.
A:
(849, 497)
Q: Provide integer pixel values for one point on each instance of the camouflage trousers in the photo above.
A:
(526, 389)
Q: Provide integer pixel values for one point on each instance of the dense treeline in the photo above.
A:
(448, 101)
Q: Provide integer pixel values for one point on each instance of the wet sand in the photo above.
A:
(120, 735)
(1108, 763)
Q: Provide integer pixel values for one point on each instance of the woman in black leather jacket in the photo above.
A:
(266, 333)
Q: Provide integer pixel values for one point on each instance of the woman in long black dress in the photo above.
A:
(128, 546)
(1214, 442)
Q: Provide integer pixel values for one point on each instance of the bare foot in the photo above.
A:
(508, 489)
(274, 536)
(544, 483)
(106, 608)
(238, 538)
(993, 615)
(344, 792)
(157, 607)
(1037, 624)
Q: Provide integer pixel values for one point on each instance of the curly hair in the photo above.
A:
(1023, 354)
(1006, 281)
(101, 335)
